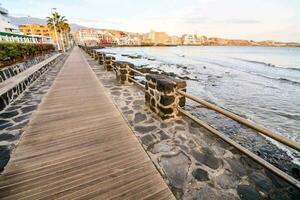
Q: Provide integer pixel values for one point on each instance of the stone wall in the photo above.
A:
(17, 68)
(124, 72)
(161, 95)
(10, 95)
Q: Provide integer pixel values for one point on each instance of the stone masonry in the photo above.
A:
(101, 57)
(13, 70)
(161, 95)
(11, 94)
(124, 72)
(109, 63)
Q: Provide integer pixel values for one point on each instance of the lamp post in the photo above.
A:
(54, 27)
(31, 32)
(28, 17)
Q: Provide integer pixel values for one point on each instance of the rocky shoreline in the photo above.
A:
(259, 144)
(194, 163)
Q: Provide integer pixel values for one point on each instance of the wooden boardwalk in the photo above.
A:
(78, 146)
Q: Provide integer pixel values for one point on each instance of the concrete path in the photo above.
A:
(78, 146)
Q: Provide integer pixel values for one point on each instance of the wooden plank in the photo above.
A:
(77, 145)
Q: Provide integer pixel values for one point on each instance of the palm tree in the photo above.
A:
(66, 30)
(60, 23)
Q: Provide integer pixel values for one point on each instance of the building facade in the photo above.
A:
(158, 37)
(174, 40)
(35, 29)
(86, 37)
(5, 24)
(189, 39)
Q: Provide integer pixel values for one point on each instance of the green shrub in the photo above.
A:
(11, 52)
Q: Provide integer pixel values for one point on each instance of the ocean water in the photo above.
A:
(261, 84)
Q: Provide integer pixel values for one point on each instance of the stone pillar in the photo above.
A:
(96, 56)
(123, 72)
(109, 63)
(90, 51)
(101, 57)
(94, 53)
(161, 95)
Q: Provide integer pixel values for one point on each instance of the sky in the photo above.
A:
(238, 19)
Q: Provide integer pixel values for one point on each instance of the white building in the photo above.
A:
(5, 24)
(128, 40)
(83, 36)
(189, 39)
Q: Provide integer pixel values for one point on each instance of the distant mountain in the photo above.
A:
(33, 20)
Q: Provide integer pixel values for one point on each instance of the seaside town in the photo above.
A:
(107, 37)
(101, 113)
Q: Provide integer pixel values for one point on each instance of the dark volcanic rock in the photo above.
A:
(161, 148)
(226, 181)
(9, 114)
(22, 117)
(7, 137)
(163, 135)
(144, 129)
(200, 175)
(6, 125)
(278, 182)
(237, 167)
(246, 192)
(148, 140)
(261, 181)
(4, 156)
(2, 121)
(208, 193)
(116, 93)
(252, 164)
(139, 117)
(138, 102)
(28, 109)
(207, 158)
(176, 168)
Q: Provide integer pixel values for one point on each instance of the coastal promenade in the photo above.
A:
(78, 146)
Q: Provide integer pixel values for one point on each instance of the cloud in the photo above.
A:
(195, 20)
(242, 21)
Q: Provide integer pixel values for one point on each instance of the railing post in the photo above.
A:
(101, 58)
(96, 55)
(109, 62)
(161, 95)
(124, 72)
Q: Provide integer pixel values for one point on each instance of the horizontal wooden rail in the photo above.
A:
(264, 131)
(138, 72)
(138, 83)
(255, 157)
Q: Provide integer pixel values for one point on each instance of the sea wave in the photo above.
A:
(267, 64)
(282, 79)
(278, 78)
